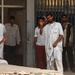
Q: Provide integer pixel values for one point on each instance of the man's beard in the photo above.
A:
(64, 21)
(51, 21)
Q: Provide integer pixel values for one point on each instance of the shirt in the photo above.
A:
(12, 34)
(40, 38)
(52, 32)
(2, 31)
(65, 34)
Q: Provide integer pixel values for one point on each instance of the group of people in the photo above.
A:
(9, 37)
(53, 43)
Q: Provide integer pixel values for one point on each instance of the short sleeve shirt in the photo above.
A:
(40, 38)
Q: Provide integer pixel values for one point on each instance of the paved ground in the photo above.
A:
(69, 73)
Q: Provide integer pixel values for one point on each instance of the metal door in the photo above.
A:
(57, 7)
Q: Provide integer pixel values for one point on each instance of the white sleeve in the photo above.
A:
(60, 29)
(18, 36)
(36, 32)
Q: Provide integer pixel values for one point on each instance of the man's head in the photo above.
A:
(41, 21)
(12, 19)
(50, 18)
(64, 18)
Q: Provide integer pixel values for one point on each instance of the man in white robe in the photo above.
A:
(53, 33)
(2, 39)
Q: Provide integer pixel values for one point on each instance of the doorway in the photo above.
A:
(16, 8)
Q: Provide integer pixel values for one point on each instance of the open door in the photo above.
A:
(16, 8)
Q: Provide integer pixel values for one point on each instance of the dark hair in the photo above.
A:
(41, 18)
(64, 15)
(12, 17)
(49, 14)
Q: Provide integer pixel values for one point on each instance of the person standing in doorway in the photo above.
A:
(39, 43)
(53, 33)
(13, 38)
(68, 44)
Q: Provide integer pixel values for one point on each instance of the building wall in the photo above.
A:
(30, 33)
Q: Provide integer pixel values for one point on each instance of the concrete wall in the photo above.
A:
(30, 33)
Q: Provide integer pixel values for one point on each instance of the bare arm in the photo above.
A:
(3, 40)
(34, 43)
(35, 37)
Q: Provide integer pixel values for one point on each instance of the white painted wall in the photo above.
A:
(30, 33)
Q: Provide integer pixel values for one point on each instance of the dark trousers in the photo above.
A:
(69, 52)
(9, 52)
(41, 56)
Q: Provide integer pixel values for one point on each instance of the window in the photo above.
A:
(4, 4)
(14, 2)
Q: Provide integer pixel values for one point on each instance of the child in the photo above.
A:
(39, 43)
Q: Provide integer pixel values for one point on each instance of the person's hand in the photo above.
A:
(1, 58)
(55, 44)
(4, 39)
